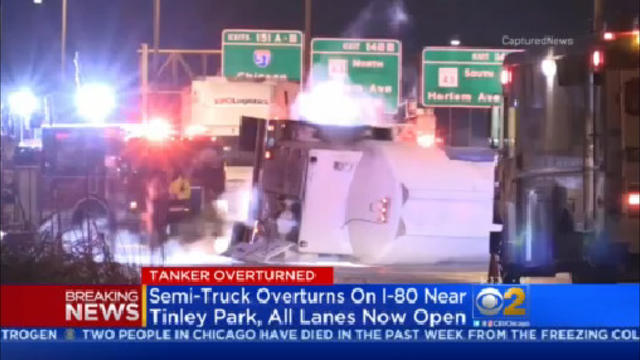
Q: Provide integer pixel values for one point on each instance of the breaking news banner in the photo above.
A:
(302, 305)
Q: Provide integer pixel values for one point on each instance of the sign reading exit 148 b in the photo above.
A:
(262, 54)
(368, 66)
(462, 77)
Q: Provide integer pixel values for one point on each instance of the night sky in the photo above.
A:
(107, 32)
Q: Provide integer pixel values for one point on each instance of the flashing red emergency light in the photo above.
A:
(619, 34)
(611, 36)
(426, 140)
(158, 129)
(195, 130)
(267, 154)
(633, 200)
(597, 59)
(62, 135)
(505, 77)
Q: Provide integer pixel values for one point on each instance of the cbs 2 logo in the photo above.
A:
(490, 301)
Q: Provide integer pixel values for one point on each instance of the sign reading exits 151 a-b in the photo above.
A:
(462, 77)
(368, 66)
(262, 54)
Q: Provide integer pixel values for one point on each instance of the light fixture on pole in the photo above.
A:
(23, 103)
(548, 66)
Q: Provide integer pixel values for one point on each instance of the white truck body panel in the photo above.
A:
(218, 104)
(440, 209)
(323, 229)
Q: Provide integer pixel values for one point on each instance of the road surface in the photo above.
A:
(208, 249)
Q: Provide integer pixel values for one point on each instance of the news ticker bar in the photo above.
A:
(296, 304)
(529, 335)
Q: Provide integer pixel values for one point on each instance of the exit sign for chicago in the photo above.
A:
(262, 54)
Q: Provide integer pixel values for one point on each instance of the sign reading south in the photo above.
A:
(462, 77)
(262, 54)
(368, 66)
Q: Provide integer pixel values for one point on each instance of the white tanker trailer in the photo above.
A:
(356, 193)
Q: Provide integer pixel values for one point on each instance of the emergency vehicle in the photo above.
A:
(78, 169)
(100, 174)
(567, 179)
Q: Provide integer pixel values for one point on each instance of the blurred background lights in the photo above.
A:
(23, 103)
(95, 102)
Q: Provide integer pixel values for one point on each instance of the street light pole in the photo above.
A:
(63, 36)
(63, 39)
(597, 16)
(156, 33)
(307, 42)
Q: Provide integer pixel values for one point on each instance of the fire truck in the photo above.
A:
(567, 176)
(95, 177)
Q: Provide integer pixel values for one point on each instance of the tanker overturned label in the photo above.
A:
(456, 77)
(368, 66)
(262, 54)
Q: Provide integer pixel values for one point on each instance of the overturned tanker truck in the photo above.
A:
(356, 193)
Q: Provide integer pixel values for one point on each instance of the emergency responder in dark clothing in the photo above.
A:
(158, 209)
(209, 171)
(180, 188)
(179, 198)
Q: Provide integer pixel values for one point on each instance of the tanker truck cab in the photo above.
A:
(567, 175)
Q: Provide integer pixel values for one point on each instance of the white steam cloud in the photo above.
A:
(336, 101)
(374, 17)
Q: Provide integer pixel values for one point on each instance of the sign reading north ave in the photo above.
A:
(262, 54)
(368, 66)
(462, 77)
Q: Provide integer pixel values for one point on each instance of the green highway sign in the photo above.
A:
(462, 77)
(369, 66)
(262, 54)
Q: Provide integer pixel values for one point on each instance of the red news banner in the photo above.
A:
(124, 305)
(238, 276)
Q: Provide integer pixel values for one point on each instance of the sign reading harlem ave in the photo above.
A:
(462, 77)
(371, 67)
(262, 54)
